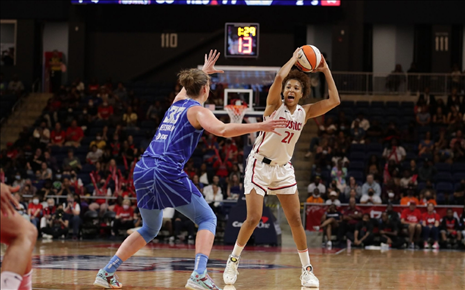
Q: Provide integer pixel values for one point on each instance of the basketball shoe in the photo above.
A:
(107, 280)
(230, 273)
(308, 279)
(200, 282)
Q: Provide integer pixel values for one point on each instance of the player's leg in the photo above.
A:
(136, 241)
(291, 207)
(202, 214)
(20, 236)
(254, 203)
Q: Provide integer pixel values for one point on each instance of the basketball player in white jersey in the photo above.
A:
(269, 169)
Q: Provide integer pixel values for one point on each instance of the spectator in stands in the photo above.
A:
(363, 234)
(45, 172)
(42, 135)
(439, 118)
(28, 189)
(351, 216)
(388, 231)
(371, 191)
(323, 154)
(213, 196)
(413, 167)
(339, 174)
(409, 196)
(19, 181)
(329, 221)
(426, 146)
(48, 213)
(396, 153)
(120, 92)
(189, 169)
(94, 155)
(317, 184)
(423, 116)
(124, 218)
(441, 150)
(352, 186)
(222, 164)
(410, 220)
(65, 190)
(15, 86)
(459, 193)
(58, 136)
(128, 154)
(427, 198)
(34, 210)
(99, 142)
(362, 121)
(458, 139)
(430, 222)
(182, 223)
(35, 162)
(71, 162)
(235, 187)
(392, 132)
(343, 123)
(315, 197)
(454, 117)
(203, 174)
(197, 183)
(130, 118)
(453, 100)
(430, 100)
(357, 133)
(57, 226)
(373, 167)
(450, 229)
(333, 199)
(74, 135)
(395, 79)
(427, 171)
(22, 209)
(154, 112)
(407, 179)
(105, 111)
(458, 153)
(72, 210)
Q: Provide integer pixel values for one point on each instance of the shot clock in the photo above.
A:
(241, 40)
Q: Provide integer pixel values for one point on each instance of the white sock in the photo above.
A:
(304, 258)
(27, 282)
(237, 250)
(10, 281)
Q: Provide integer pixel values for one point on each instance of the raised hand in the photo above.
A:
(210, 60)
(295, 55)
(7, 202)
(323, 65)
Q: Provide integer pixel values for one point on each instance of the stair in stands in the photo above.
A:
(25, 115)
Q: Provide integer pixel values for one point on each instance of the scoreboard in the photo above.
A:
(215, 2)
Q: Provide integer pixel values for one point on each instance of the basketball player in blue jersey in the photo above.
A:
(269, 170)
(161, 182)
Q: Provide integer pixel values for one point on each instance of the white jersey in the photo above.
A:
(281, 148)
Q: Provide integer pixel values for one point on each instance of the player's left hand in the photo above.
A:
(323, 65)
(210, 60)
(7, 202)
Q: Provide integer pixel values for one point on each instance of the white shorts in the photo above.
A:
(265, 178)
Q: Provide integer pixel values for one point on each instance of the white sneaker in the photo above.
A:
(329, 245)
(435, 245)
(425, 245)
(48, 237)
(308, 279)
(230, 273)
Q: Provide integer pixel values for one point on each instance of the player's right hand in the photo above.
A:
(269, 124)
(7, 202)
(295, 55)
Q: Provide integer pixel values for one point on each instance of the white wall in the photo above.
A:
(384, 48)
(55, 36)
(321, 37)
(404, 46)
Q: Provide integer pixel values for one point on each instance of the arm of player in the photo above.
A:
(322, 107)
(7, 202)
(208, 67)
(209, 122)
(274, 100)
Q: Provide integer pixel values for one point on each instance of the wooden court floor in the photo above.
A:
(73, 265)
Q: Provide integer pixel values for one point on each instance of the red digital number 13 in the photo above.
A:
(288, 137)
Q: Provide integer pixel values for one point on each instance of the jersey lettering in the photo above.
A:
(174, 114)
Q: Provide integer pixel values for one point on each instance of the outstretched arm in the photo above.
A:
(201, 117)
(208, 67)
(322, 107)
(273, 100)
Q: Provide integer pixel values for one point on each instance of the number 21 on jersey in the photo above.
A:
(288, 137)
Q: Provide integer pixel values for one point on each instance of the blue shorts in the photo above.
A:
(159, 186)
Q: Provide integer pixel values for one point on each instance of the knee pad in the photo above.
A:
(147, 233)
(152, 220)
(207, 222)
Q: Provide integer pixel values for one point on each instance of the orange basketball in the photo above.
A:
(309, 58)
